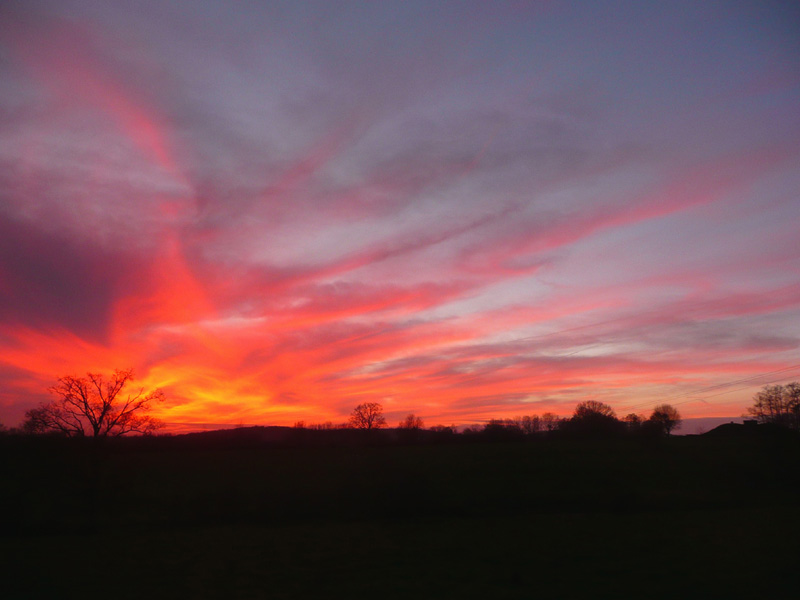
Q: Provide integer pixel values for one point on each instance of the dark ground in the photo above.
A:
(700, 517)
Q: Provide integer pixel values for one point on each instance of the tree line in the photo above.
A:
(589, 418)
(95, 406)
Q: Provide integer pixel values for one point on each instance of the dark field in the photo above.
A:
(695, 516)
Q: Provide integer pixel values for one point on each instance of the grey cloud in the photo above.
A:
(56, 280)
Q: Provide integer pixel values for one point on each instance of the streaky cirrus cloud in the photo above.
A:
(455, 209)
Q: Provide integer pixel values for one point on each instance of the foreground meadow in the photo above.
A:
(163, 518)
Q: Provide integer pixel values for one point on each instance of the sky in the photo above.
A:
(275, 211)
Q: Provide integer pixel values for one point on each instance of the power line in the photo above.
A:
(731, 383)
(749, 381)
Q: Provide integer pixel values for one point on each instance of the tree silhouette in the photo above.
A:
(411, 422)
(592, 409)
(778, 404)
(94, 406)
(368, 415)
(530, 424)
(593, 418)
(666, 417)
(633, 420)
(550, 421)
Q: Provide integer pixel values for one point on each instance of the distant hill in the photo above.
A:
(258, 434)
(255, 433)
(689, 426)
(750, 429)
(700, 425)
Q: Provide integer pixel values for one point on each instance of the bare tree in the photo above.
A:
(778, 404)
(633, 419)
(550, 421)
(411, 421)
(94, 406)
(531, 424)
(633, 422)
(665, 416)
(368, 415)
(792, 393)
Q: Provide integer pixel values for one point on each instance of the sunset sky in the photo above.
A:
(277, 210)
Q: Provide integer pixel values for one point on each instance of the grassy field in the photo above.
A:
(658, 519)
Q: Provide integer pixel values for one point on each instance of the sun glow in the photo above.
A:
(273, 231)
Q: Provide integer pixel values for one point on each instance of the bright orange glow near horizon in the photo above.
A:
(275, 228)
